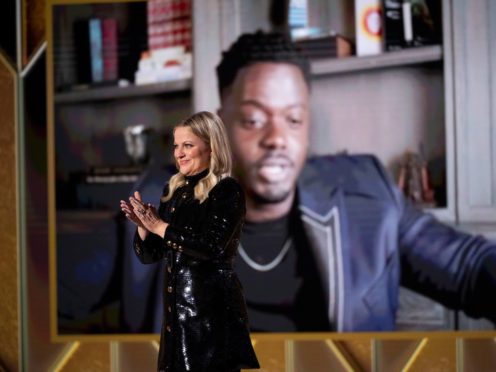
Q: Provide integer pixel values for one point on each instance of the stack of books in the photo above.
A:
(325, 46)
(169, 24)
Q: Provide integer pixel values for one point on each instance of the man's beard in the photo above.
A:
(270, 194)
(271, 197)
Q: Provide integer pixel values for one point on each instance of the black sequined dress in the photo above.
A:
(205, 325)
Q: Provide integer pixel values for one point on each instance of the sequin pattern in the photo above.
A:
(205, 326)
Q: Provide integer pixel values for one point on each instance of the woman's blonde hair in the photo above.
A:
(211, 130)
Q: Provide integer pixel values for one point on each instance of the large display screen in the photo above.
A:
(346, 168)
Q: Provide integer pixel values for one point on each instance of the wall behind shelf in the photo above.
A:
(385, 112)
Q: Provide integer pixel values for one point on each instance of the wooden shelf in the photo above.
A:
(403, 57)
(114, 92)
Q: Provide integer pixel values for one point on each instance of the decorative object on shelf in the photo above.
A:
(135, 138)
(413, 180)
(368, 27)
(411, 23)
(426, 22)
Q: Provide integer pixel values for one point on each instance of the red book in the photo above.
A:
(109, 49)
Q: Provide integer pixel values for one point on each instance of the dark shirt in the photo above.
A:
(289, 297)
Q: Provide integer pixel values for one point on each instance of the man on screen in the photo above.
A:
(328, 240)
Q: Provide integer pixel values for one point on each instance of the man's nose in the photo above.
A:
(275, 135)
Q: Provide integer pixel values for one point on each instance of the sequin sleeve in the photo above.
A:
(226, 214)
(151, 249)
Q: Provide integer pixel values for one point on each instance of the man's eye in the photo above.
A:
(295, 122)
(252, 123)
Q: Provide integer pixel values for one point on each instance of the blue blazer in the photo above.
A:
(368, 239)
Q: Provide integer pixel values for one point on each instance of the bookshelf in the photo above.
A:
(90, 116)
(387, 104)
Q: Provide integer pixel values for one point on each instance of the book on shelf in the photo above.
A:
(109, 49)
(168, 57)
(88, 41)
(95, 29)
(394, 37)
(325, 46)
(410, 23)
(368, 27)
(96, 50)
(81, 37)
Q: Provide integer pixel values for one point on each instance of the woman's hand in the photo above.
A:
(147, 215)
(128, 210)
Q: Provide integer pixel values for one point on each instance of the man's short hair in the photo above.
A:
(259, 47)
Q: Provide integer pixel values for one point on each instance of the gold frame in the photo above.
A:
(282, 336)
(11, 265)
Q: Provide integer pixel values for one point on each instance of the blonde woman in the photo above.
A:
(196, 229)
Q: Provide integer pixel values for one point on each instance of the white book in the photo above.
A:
(368, 27)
